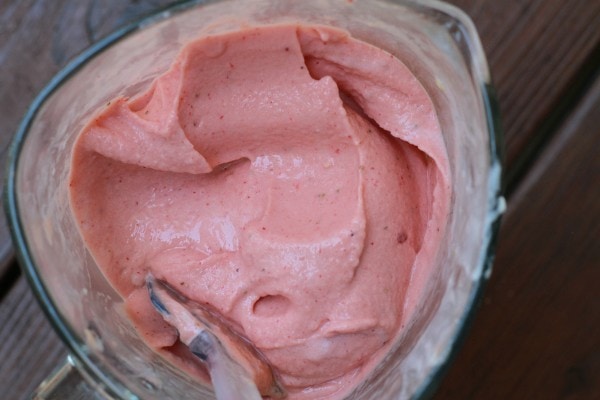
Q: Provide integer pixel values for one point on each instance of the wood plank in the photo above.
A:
(536, 335)
(29, 348)
(541, 54)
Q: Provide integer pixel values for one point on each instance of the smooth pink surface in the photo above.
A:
(290, 176)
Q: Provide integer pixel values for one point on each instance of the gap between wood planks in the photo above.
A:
(564, 106)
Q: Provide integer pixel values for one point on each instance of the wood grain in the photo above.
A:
(29, 348)
(541, 53)
(537, 334)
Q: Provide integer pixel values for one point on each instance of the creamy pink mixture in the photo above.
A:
(292, 177)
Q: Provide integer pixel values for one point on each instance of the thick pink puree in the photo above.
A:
(292, 177)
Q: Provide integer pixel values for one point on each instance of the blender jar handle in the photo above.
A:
(69, 382)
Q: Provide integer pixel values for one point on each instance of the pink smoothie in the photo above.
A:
(290, 176)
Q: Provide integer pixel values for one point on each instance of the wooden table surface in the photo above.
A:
(536, 334)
